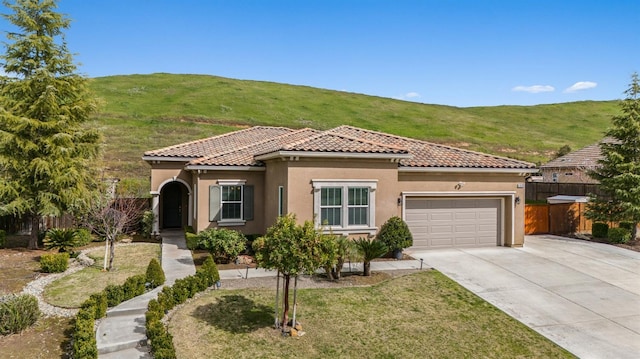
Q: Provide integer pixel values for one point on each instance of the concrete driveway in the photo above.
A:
(583, 296)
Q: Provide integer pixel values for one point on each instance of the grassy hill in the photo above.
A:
(144, 112)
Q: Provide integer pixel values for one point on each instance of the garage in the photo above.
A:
(453, 222)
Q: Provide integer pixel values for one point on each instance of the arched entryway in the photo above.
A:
(174, 205)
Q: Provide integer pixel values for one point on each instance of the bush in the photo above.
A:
(208, 272)
(147, 223)
(395, 234)
(224, 244)
(161, 340)
(62, 239)
(97, 301)
(369, 250)
(166, 299)
(17, 313)
(619, 235)
(114, 294)
(54, 262)
(599, 230)
(133, 287)
(3, 238)
(155, 275)
(83, 237)
(84, 338)
(192, 240)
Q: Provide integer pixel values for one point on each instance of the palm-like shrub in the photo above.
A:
(224, 244)
(61, 239)
(395, 234)
(370, 250)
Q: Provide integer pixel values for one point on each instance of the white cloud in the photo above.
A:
(411, 95)
(534, 88)
(581, 85)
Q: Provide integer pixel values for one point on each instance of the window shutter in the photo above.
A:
(214, 203)
(247, 202)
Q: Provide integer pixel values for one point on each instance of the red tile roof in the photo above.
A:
(240, 148)
(584, 158)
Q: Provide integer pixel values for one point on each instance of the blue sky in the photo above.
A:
(459, 53)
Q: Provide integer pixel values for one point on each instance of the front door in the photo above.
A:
(172, 205)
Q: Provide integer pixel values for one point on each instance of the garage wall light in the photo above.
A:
(399, 201)
(460, 185)
(517, 200)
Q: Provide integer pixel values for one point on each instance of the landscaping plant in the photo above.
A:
(155, 275)
(17, 313)
(370, 250)
(395, 234)
(62, 239)
(54, 262)
(224, 244)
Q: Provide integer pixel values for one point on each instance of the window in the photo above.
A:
(280, 201)
(345, 205)
(230, 202)
(554, 177)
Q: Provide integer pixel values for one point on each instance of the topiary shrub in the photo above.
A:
(62, 239)
(3, 238)
(395, 234)
(208, 273)
(84, 338)
(17, 313)
(155, 275)
(133, 287)
(599, 230)
(97, 301)
(224, 244)
(83, 237)
(114, 294)
(54, 262)
(619, 235)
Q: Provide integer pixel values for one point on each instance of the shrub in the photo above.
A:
(114, 294)
(370, 250)
(166, 299)
(395, 234)
(224, 244)
(147, 223)
(599, 230)
(54, 262)
(99, 303)
(155, 275)
(133, 287)
(154, 311)
(619, 235)
(3, 238)
(17, 313)
(62, 239)
(161, 340)
(209, 272)
(192, 240)
(84, 338)
(83, 237)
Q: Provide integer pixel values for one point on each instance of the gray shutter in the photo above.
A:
(247, 203)
(214, 203)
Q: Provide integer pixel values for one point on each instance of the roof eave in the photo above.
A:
(223, 168)
(520, 171)
(313, 154)
(168, 159)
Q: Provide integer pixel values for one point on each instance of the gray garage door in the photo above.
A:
(460, 222)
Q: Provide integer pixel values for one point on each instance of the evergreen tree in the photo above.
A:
(619, 170)
(47, 151)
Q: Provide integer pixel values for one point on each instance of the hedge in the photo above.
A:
(599, 230)
(160, 338)
(619, 235)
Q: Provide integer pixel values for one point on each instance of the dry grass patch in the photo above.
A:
(419, 315)
(70, 291)
(46, 339)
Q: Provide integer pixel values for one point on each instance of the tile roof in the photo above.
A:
(240, 148)
(586, 157)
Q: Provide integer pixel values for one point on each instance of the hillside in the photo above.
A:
(143, 112)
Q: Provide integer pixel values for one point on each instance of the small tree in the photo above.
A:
(619, 170)
(291, 249)
(395, 234)
(111, 217)
(370, 250)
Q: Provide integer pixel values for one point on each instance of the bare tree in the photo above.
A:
(111, 217)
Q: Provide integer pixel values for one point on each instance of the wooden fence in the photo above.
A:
(540, 191)
(562, 218)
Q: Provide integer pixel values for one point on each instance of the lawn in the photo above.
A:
(70, 291)
(423, 315)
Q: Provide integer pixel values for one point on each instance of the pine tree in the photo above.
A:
(47, 151)
(619, 170)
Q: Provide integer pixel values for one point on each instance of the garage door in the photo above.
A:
(460, 222)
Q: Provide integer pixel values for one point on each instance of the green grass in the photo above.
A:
(71, 290)
(145, 112)
(422, 315)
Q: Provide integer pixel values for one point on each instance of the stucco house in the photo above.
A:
(349, 179)
(573, 167)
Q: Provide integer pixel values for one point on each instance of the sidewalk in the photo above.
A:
(122, 333)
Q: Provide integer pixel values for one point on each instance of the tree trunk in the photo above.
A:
(330, 272)
(35, 229)
(367, 269)
(285, 300)
(112, 247)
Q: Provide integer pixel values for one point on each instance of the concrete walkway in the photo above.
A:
(122, 333)
(584, 296)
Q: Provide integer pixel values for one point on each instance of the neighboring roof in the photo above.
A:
(584, 158)
(567, 199)
(250, 146)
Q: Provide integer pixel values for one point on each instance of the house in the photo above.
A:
(573, 167)
(349, 179)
